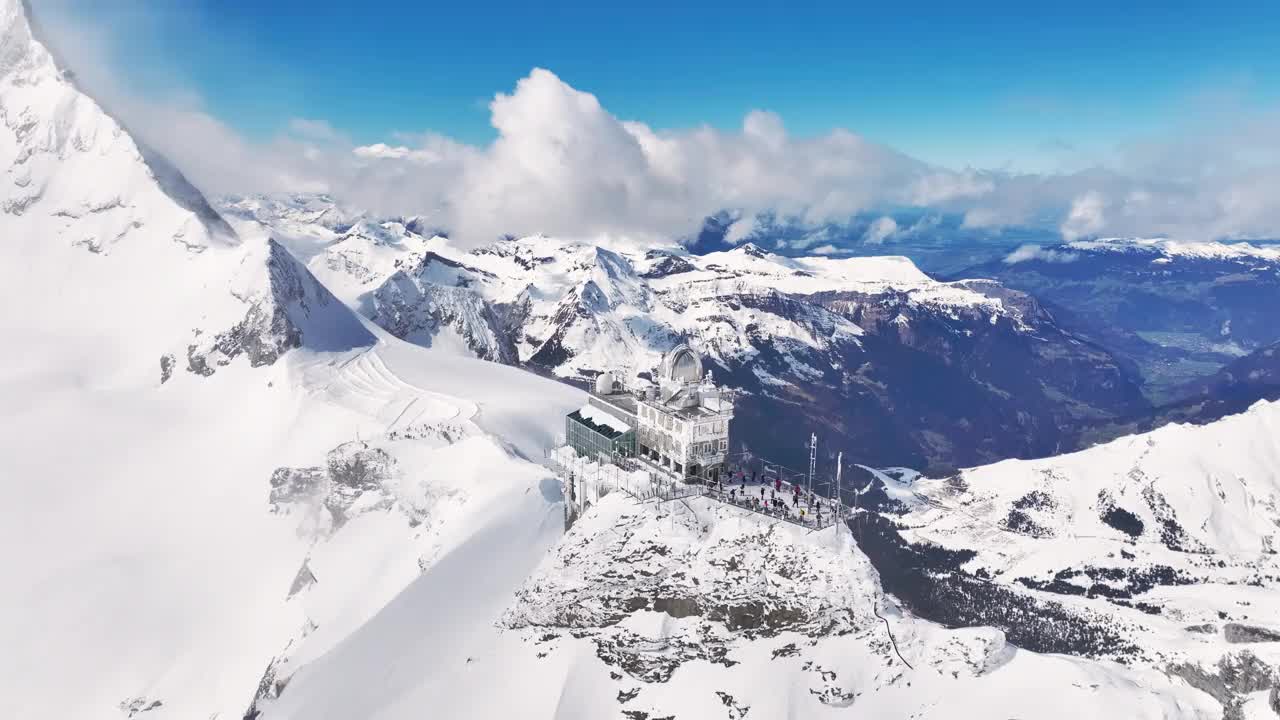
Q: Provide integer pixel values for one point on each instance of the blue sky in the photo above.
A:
(988, 84)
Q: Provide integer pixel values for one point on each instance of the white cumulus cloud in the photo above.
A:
(1086, 217)
(882, 229)
(563, 164)
(1036, 252)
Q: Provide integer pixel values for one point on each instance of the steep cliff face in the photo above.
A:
(111, 236)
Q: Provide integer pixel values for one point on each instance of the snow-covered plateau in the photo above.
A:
(229, 493)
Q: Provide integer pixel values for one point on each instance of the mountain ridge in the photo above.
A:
(769, 324)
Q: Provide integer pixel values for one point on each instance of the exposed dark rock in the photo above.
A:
(1240, 633)
(197, 363)
(274, 319)
(829, 692)
(302, 580)
(1234, 677)
(351, 470)
(788, 650)
(677, 607)
(416, 310)
(268, 689)
(654, 661)
(625, 696)
(134, 707)
(667, 265)
(166, 367)
(737, 711)
(1172, 534)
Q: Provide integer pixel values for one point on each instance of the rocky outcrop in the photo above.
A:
(287, 308)
(1234, 632)
(720, 582)
(419, 311)
(1234, 677)
(356, 478)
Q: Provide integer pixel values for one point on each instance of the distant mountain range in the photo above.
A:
(882, 361)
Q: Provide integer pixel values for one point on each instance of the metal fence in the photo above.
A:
(589, 479)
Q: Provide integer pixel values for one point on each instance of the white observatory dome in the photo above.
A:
(604, 384)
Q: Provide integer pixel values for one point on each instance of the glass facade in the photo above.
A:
(593, 440)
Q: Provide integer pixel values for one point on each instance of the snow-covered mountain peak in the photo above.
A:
(158, 529)
(73, 172)
(381, 233)
(614, 277)
(112, 237)
(1167, 248)
(750, 248)
(295, 211)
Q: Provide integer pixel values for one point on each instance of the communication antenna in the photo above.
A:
(813, 458)
(839, 496)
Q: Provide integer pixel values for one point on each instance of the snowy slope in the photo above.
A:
(212, 468)
(1176, 494)
(1159, 549)
(695, 609)
(1168, 249)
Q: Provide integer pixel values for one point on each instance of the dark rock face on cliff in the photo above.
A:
(286, 308)
(934, 388)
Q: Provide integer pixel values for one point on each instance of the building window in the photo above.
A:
(724, 445)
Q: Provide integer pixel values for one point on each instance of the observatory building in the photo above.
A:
(678, 422)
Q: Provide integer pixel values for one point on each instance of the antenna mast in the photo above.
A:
(813, 458)
(839, 496)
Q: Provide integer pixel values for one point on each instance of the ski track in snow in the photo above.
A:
(366, 381)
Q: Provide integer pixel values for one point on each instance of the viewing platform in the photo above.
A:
(665, 436)
(586, 481)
